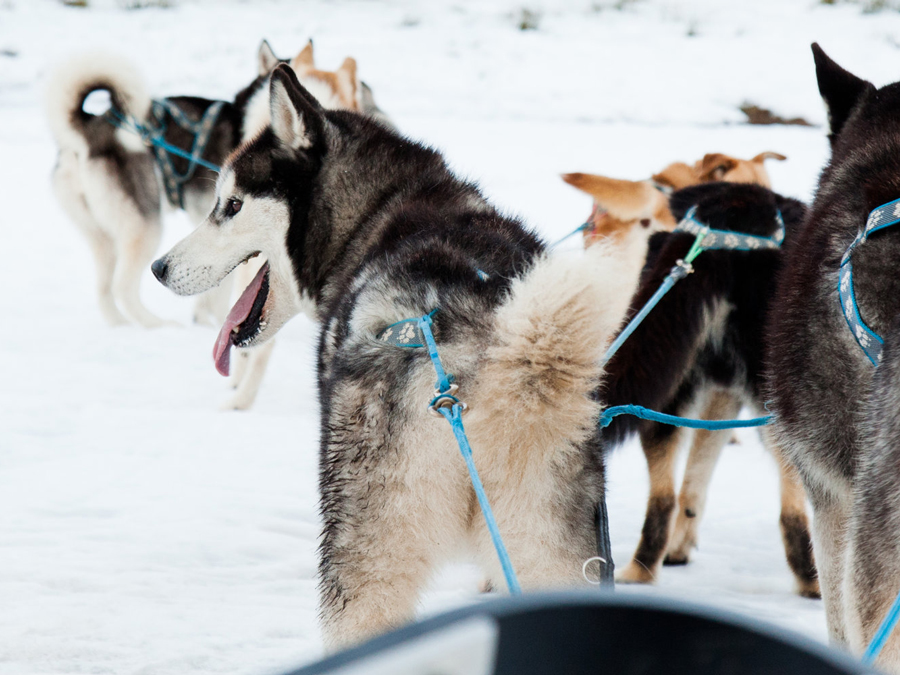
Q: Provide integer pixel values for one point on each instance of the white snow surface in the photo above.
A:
(144, 531)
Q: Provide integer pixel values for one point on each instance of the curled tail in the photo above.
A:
(70, 84)
(537, 381)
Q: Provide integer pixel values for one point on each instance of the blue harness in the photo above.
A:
(172, 180)
(153, 135)
(871, 343)
(707, 238)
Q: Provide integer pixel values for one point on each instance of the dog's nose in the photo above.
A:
(159, 269)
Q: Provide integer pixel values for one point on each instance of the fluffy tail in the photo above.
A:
(536, 383)
(70, 84)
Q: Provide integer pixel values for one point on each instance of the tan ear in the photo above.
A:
(347, 82)
(763, 156)
(305, 60)
(714, 166)
(676, 176)
(624, 199)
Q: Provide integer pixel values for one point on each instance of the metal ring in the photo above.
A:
(446, 401)
(450, 392)
(587, 562)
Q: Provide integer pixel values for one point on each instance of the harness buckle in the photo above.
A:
(686, 266)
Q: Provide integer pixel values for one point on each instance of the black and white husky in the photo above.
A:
(700, 352)
(373, 228)
(106, 178)
(838, 416)
(107, 182)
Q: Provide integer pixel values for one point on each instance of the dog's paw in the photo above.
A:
(809, 588)
(677, 558)
(635, 573)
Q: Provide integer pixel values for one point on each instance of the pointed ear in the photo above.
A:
(346, 78)
(840, 89)
(624, 199)
(267, 59)
(714, 166)
(305, 60)
(768, 154)
(297, 118)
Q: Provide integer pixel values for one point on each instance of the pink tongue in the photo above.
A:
(237, 315)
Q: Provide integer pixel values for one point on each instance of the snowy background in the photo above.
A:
(143, 531)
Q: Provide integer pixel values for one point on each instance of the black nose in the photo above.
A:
(159, 269)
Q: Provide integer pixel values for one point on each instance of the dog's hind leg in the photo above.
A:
(873, 561)
(394, 502)
(705, 450)
(546, 516)
(660, 445)
(134, 251)
(831, 516)
(794, 524)
(67, 187)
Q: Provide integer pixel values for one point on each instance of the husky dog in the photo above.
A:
(105, 181)
(700, 351)
(373, 229)
(336, 90)
(836, 412)
(105, 178)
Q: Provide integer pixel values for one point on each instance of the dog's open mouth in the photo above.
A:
(244, 322)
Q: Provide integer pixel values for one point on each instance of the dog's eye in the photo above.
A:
(645, 222)
(232, 207)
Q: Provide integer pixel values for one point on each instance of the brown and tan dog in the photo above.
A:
(625, 205)
(628, 213)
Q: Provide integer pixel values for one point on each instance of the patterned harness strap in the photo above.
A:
(726, 239)
(871, 343)
(172, 180)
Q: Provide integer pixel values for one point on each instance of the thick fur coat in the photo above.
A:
(372, 229)
(836, 413)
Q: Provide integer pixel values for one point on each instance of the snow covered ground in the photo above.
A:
(142, 530)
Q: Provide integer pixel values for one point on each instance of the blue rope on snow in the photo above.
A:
(454, 417)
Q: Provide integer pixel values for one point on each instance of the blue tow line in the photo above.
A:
(452, 409)
(607, 416)
(679, 272)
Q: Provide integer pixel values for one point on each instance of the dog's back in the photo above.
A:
(708, 328)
